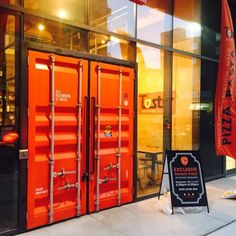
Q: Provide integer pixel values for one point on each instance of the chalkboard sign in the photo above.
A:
(186, 180)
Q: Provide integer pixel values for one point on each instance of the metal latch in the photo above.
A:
(68, 186)
(106, 180)
(85, 177)
(23, 154)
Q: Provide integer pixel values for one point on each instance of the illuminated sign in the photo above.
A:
(140, 2)
(153, 103)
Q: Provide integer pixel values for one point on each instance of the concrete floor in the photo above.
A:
(145, 218)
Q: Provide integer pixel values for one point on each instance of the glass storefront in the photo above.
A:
(173, 46)
(230, 163)
(51, 33)
(156, 18)
(187, 27)
(150, 118)
(8, 136)
(212, 165)
(186, 103)
(11, 1)
(111, 46)
(210, 40)
(75, 11)
(113, 16)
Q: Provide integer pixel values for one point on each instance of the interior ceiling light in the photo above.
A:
(114, 39)
(62, 14)
(41, 27)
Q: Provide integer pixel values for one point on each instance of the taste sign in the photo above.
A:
(186, 180)
(149, 103)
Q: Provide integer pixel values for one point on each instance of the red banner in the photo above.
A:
(225, 97)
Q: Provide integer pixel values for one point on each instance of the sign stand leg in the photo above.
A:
(164, 172)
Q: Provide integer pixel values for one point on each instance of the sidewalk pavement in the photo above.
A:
(145, 219)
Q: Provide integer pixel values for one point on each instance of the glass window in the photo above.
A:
(187, 25)
(7, 70)
(71, 10)
(151, 73)
(230, 163)
(112, 15)
(56, 34)
(10, 1)
(186, 106)
(154, 22)
(110, 46)
(8, 151)
(211, 10)
(212, 166)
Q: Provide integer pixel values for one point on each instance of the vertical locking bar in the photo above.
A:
(51, 161)
(79, 136)
(98, 136)
(119, 138)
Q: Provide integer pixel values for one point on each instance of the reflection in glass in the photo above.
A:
(10, 1)
(187, 25)
(8, 153)
(211, 28)
(212, 164)
(151, 75)
(154, 22)
(110, 46)
(230, 163)
(112, 15)
(7, 70)
(52, 33)
(186, 108)
(67, 10)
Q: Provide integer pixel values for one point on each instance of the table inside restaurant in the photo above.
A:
(152, 156)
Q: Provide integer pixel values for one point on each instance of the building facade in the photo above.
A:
(92, 93)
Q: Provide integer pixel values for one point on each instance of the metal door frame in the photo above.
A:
(26, 46)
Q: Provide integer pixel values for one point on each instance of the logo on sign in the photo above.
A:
(184, 160)
(108, 131)
(229, 33)
(61, 96)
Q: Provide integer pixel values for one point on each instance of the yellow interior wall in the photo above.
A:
(150, 126)
(186, 89)
(186, 84)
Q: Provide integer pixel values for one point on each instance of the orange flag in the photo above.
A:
(225, 97)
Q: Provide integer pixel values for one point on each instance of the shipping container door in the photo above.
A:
(57, 90)
(111, 136)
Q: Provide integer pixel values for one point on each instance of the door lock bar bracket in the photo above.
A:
(110, 166)
(68, 186)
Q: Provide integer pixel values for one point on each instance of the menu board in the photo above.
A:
(186, 180)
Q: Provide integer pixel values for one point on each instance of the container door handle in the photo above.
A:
(93, 134)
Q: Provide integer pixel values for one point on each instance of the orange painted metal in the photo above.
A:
(67, 75)
(109, 127)
(116, 86)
